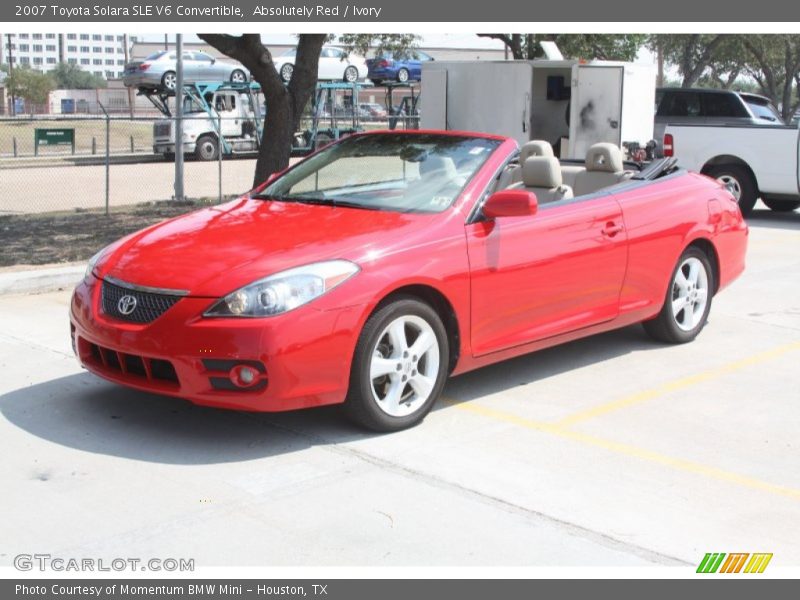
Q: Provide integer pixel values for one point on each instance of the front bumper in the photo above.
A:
(305, 354)
(169, 147)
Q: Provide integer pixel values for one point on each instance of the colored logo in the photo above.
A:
(737, 562)
(126, 305)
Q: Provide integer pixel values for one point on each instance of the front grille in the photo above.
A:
(147, 306)
(161, 129)
(130, 366)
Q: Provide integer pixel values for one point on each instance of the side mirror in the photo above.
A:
(511, 203)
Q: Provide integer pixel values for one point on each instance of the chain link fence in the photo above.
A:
(70, 185)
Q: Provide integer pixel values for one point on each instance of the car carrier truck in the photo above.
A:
(229, 117)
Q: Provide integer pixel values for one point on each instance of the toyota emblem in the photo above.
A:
(126, 305)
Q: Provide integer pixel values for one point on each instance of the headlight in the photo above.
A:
(284, 291)
(93, 263)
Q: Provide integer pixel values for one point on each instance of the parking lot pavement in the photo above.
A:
(612, 450)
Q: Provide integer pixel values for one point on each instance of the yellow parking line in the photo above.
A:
(628, 450)
(678, 384)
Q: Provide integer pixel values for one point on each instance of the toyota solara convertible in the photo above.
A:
(371, 271)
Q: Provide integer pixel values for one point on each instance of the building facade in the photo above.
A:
(101, 54)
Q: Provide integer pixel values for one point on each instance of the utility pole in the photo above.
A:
(10, 46)
(179, 194)
(166, 41)
(127, 58)
(61, 58)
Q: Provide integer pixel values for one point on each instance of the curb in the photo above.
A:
(40, 280)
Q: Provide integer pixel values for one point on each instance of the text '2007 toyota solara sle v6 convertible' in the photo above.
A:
(369, 272)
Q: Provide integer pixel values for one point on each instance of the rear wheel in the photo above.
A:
(286, 72)
(403, 75)
(781, 205)
(207, 148)
(350, 74)
(238, 76)
(399, 367)
(687, 302)
(740, 183)
(322, 140)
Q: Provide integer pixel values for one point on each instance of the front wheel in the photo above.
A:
(687, 302)
(403, 75)
(740, 183)
(207, 148)
(169, 80)
(781, 205)
(399, 367)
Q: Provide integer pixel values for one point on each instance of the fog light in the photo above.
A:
(243, 376)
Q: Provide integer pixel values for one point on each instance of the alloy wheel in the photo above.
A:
(404, 366)
(689, 293)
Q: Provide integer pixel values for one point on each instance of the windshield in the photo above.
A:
(763, 109)
(397, 172)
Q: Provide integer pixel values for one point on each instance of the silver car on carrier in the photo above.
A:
(159, 70)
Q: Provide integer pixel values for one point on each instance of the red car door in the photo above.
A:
(543, 275)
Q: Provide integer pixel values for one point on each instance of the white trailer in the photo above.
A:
(569, 103)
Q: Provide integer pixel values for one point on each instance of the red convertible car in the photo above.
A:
(369, 272)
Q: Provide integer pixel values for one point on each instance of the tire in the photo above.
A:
(350, 74)
(207, 148)
(403, 75)
(286, 72)
(169, 80)
(322, 140)
(238, 76)
(687, 301)
(392, 385)
(781, 205)
(743, 186)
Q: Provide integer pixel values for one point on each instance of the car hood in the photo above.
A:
(213, 251)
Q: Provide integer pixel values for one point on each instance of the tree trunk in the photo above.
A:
(276, 140)
(285, 102)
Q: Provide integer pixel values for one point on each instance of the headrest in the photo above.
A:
(541, 172)
(604, 157)
(534, 148)
(434, 162)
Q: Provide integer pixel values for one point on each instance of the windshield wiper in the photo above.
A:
(311, 200)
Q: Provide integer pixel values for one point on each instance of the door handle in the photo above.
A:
(611, 229)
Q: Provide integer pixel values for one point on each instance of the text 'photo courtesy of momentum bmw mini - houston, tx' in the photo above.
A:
(370, 271)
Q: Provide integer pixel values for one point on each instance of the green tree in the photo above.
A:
(774, 63)
(32, 85)
(71, 77)
(718, 58)
(285, 103)
(578, 46)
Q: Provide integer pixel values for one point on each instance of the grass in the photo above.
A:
(71, 236)
(85, 130)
